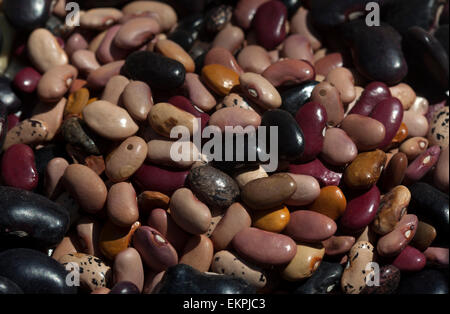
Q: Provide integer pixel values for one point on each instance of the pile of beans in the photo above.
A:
(88, 183)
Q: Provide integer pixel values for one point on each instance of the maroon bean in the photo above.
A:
(422, 164)
(289, 72)
(309, 226)
(317, 170)
(361, 209)
(410, 260)
(13, 120)
(153, 178)
(437, 256)
(390, 113)
(157, 253)
(331, 61)
(27, 79)
(269, 24)
(395, 241)
(394, 173)
(373, 94)
(312, 119)
(19, 167)
(245, 12)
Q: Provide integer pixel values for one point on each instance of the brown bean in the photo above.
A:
(337, 245)
(44, 50)
(128, 267)
(289, 72)
(126, 159)
(159, 152)
(167, 17)
(198, 93)
(305, 263)
(328, 96)
(121, 204)
(343, 80)
(404, 93)
(138, 100)
(136, 32)
(254, 59)
(395, 241)
(172, 50)
(365, 132)
(308, 189)
(395, 172)
(86, 187)
(416, 123)
(338, 148)
(53, 173)
(198, 253)
(413, 147)
(55, 83)
(234, 117)
(163, 117)
(85, 61)
(260, 90)
(100, 18)
(230, 38)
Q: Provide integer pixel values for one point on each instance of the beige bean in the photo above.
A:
(152, 279)
(53, 173)
(230, 38)
(96, 42)
(259, 89)
(163, 117)
(109, 121)
(167, 17)
(441, 173)
(126, 159)
(198, 93)
(420, 105)
(359, 90)
(159, 152)
(98, 78)
(338, 148)
(51, 115)
(114, 88)
(44, 50)
(198, 253)
(121, 204)
(128, 267)
(404, 93)
(29, 131)
(74, 43)
(85, 61)
(235, 117)
(365, 132)
(138, 100)
(88, 235)
(100, 18)
(172, 50)
(66, 246)
(301, 24)
(56, 82)
(416, 123)
(328, 96)
(308, 189)
(354, 276)
(343, 80)
(243, 177)
(298, 47)
(136, 32)
(305, 263)
(86, 187)
(254, 59)
(319, 54)
(188, 212)
(226, 263)
(222, 56)
(236, 218)
(413, 147)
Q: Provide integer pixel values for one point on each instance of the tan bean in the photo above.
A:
(172, 50)
(167, 17)
(198, 253)
(420, 105)
(441, 173)
(66, 246)
(198, 93)
(331, 61)
(109, 121)
(236, 218)
(55, 83)
(159, 152)
(114, 88)
(163, 117)
(88, 234)
(100, 18)
(96, 42)
(338, 148)
(365, 132)
(85, 61)
(298, 47)
(53, 173)
(121, 204)
(128, 267)
(343, 80)
(188, 212)
(404, 93)
(260, 90)
(98, 78)
(413, 147)
(354, 276)
(305, 263)
(29, 131)
(136, 32)
(126, 159)
(51, 115)
(254, 59)
(86, 187)
(416, 123)
(308, 189)
(301, 24)
(234, 117)
(230, 38)
(138, 100)
(328, 96)
(44, 50)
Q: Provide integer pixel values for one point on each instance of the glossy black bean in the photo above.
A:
(183, 279)
(292, 6)
(323, 281)
(184, 38)
(124, 287)
(295, 97)
(27, 14)
(30, 220)
(427, 281)
(291, 142)
(9, 287)
(156, 70)
(431, 206)
(8, 98)
(217, 18)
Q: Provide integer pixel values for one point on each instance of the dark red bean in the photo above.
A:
(422, 164)
(269, 24)
(361, 209)
(19, 167)
(27, 79)
(410, 260)
(394, 173)
(390, 113)
(13, 120)
(312, 119)
(153, 178)
(317, 170)
(373, 94)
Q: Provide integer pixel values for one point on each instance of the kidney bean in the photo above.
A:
(159, 152)
(404, 93)
(29, 131)
(343, 80)
(437, 256)
(184, 104)
(329, 62)
(173, 51)
(107, 51)
(441, 172)
(330, 202)
(410, 260)
(308, 189)
(230, 38)
(135, 32)
(222, 56)
(288, 72)
(114, 89)
(260, 90)
(394, 172)
(305, 262)
(53, 173)
(26, 80)
(128, 267)
(100, 18)
(44, 50)
(328, 96)
(311, 227)
(269, 24)
(56, 82)
(390, 113)
(163, 117)
(253, 58)
(296, 97)
(422, 164)
(198, 253)
(365, 169)
(298, 47)
(98, 78)
(85, 61)
(365, 132)
(159, 179)
(395, 241)
(317, 170)
(121, 204)
(413, 147)
(198, 93)
(338, 245)
(373, 94)
(416, 123)
(233, 117)
(167, 16)
(300, 24)
(420, 105)
(138, 100)
(245, 11)
(219, 78)
(19, 167)
(425, 235)
(338, 148)
(75, 42)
